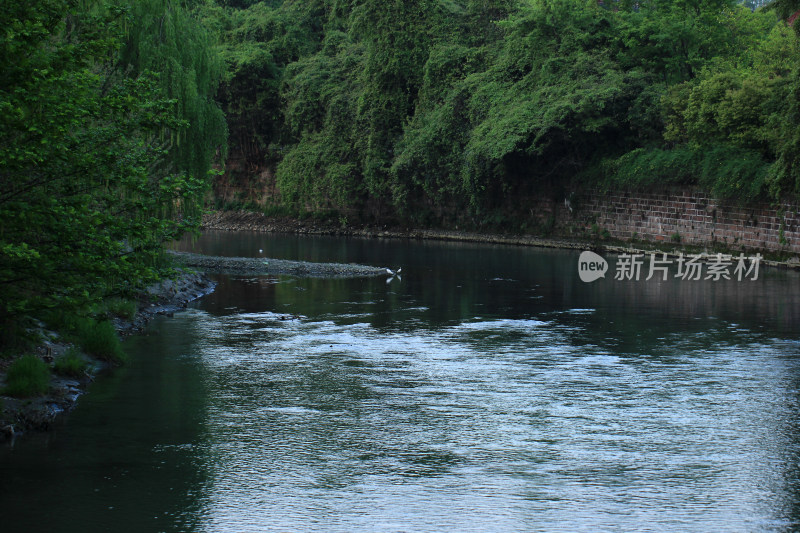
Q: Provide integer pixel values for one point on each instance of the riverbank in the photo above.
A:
(20, 415)
(254, 221)
(585, 239)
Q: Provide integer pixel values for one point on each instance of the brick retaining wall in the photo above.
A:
(690, 217)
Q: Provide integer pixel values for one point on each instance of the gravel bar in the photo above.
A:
(249, 266)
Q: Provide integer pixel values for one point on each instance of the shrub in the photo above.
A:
(27, 376)
(726, 171)
(15, 337)
(70, 364)
(61, 321)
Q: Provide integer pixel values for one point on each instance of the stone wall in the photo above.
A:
(685, 216)
(667, 215)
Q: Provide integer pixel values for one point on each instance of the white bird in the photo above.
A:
(260, 251)
(394, 272)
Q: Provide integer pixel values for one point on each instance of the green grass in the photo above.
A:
(726, 171)
(27, 376)
(96, 338)
(278, 210)
(100, 340)
(71, 364)
(120, 307)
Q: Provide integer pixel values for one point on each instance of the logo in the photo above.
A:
(591, 267)
(691, 267)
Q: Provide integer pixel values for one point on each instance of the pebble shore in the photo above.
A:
(263, 267)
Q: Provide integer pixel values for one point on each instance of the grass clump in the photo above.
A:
(100, 340)
(71, 364)
(27, 376)
(96, 338)
(121, 307)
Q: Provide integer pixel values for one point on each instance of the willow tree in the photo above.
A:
(92, 177)
(163, 37)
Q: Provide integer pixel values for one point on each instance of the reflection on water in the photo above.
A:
(489, 390)
(126, 458)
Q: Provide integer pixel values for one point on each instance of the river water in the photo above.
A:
(489, 389)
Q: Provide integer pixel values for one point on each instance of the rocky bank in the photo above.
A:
(247, 266)
(19, 415)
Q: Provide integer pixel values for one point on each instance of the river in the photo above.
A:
(489, 389)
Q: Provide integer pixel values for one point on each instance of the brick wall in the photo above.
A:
(692, 216)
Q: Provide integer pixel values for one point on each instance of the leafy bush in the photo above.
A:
(27, 376)
(726, 171)
(15, 337)
(70, 364)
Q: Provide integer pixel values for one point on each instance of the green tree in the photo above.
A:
(257, 41)
(321, 94)
(458, 110)
(785, 9)
(161, 36)
(743, 107)
(397, 36)
(90, 183)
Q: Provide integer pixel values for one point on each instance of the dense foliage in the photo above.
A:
(436, 111)
(97, 104)
(421, 111)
